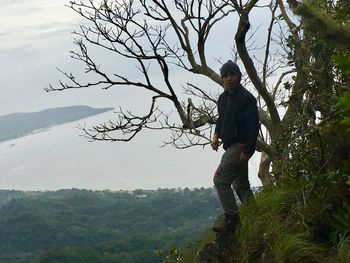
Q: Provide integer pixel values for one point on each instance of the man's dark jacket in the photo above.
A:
(238, 120)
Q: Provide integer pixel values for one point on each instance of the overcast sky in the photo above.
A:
(35, 39)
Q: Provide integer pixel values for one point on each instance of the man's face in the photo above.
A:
(231, 81)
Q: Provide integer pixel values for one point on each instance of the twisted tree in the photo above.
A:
(159, 35)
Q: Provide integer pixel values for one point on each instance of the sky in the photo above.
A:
(35, 40)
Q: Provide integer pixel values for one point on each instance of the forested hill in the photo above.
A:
(16, 125)
(101, 226)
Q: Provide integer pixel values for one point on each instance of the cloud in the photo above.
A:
(25, 23)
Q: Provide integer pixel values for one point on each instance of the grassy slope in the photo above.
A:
(281, 226)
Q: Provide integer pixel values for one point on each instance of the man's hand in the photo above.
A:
(215, 143)
(243, 158)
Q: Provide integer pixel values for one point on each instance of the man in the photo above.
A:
(237, 129)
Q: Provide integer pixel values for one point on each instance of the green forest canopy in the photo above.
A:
(130, 225)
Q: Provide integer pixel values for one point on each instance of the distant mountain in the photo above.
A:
(16, 125)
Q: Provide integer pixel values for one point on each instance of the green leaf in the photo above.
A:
(343, 63)
(343, 102)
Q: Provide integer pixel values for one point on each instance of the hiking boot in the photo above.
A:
(229, 224)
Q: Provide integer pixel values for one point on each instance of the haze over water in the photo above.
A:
(60, 158)
(34, 42)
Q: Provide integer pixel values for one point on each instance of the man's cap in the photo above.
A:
(230, 67)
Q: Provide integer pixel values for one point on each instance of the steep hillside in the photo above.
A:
(280, 225)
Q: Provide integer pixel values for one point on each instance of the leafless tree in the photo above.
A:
(159, 34)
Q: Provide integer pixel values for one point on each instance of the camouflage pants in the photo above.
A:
(229, 176)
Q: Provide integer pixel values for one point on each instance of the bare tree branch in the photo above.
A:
(240, 38)
(142, 33)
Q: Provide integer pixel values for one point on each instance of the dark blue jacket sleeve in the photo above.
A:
(251, 126)
(218, 121)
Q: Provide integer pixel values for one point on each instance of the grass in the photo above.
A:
(279, 226)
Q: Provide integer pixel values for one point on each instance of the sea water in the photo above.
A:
(59, 158)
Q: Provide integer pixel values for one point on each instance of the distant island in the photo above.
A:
(17, 125)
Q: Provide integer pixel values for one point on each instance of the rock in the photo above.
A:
(219, 251)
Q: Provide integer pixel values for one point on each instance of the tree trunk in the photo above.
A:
(264, 169)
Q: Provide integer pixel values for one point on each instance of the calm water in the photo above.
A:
(59, 158)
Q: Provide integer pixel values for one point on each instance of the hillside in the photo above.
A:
(279, 226)
(16, 125)
(128, 226)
